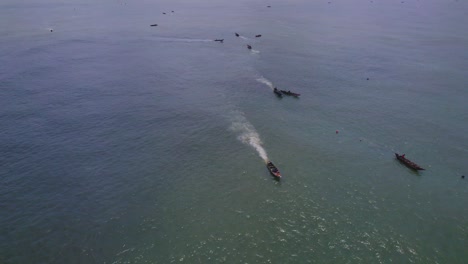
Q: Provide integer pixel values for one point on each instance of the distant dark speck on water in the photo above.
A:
(367, 78)
(463, 176)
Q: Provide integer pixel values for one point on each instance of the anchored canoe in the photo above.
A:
(408, 162)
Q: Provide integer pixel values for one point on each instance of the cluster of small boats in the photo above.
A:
(270, 166)
(277, 174)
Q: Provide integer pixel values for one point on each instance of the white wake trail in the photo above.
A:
(248, 134)
(168, 39)
(266, 81)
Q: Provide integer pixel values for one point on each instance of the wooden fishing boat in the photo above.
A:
(408, 162)
(277, 92)
(290, 93)
(273, 170)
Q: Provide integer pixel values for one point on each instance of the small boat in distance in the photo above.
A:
(273, 170)
(277, 92)
(236, 34)
(154, 25)
(219, 40)
(249, 47)
(290, 93)
(407, 162)
(257, 36)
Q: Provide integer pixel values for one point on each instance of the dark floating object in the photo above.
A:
(164, 13)
(249, 47)
(172, 11)
(154, 25)
(257, 36)
(268, 6)
(236, 34)
(219, 40)
(273, 170)
(407, 162)
(51, 30)
(290, 93)
(277, 92)
(367, 78)
(463, 176)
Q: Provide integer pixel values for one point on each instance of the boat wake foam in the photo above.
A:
(242, 37)
(248, 134)
(183, 39)
(254, 51)
(265, 81)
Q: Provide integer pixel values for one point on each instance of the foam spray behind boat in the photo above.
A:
(265, 81)
(248, 134)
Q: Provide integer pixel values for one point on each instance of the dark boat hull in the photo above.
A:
(290, 93)
(408, 163)
(277, 92)
(273, 170)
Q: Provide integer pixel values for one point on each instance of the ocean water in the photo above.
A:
(125, 143)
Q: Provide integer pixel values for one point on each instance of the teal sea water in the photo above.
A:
(125, 143)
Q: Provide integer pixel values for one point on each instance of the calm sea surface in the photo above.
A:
(125, 143)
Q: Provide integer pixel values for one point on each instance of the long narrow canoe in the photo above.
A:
(290, 93)
(408, 162)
